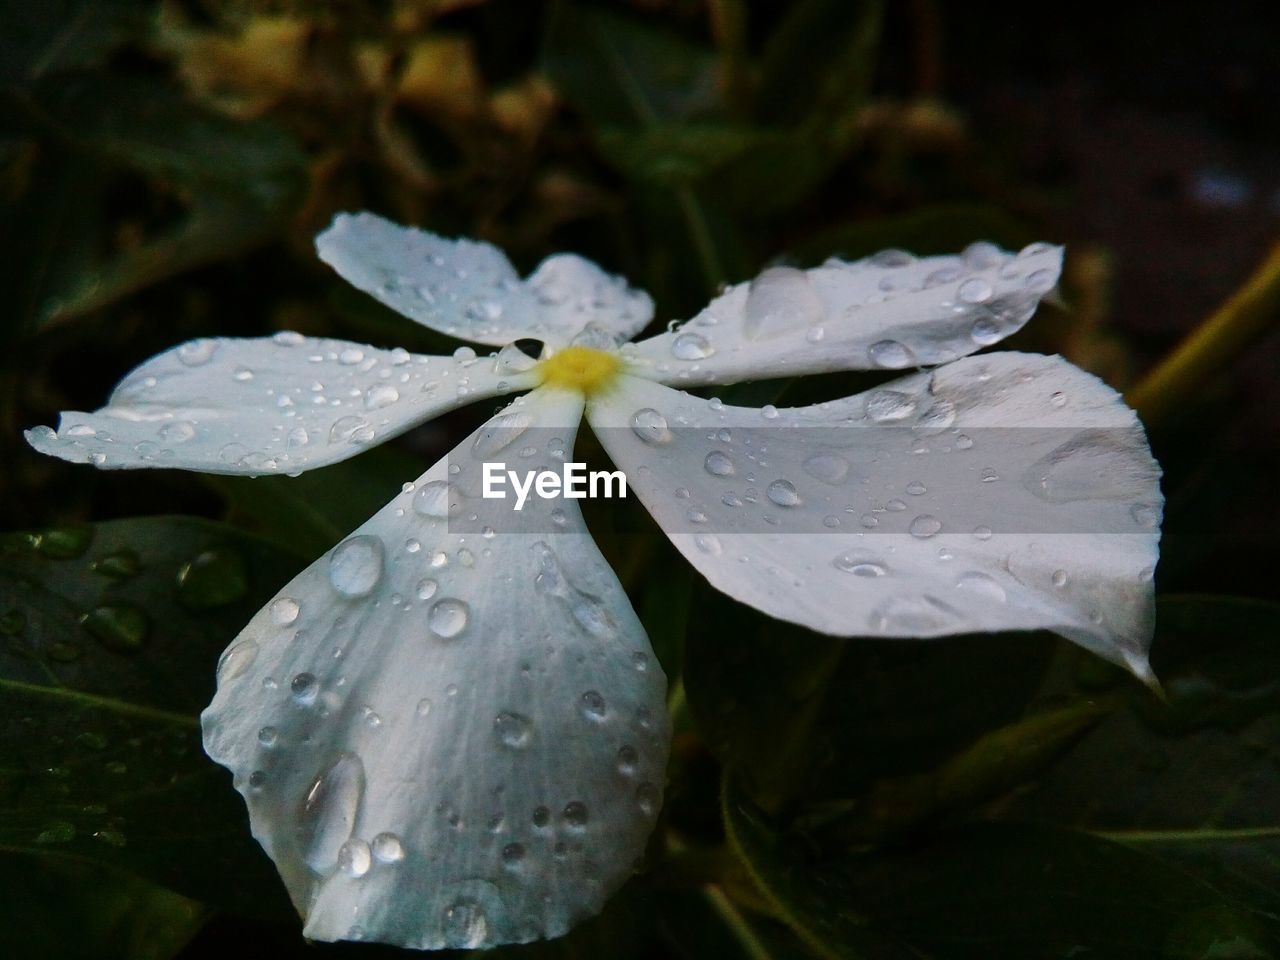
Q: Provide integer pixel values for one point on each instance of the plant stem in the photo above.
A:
(1246, 315)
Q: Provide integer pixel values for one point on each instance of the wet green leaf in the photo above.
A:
(81, 911)
(1195, 780)
(103, 679)
(994, 891)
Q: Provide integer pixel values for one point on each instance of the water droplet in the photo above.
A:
(448, 617)
(593, 706)
(354, 858)
(889, 355)
(983, 585)
(541, 816)
(989, 475)
(708, 543)
(784, 493)
(924, 526)
(433, 499)
(575, 814)
(648, 798)
(769, 412)
(355, 565)
(982, 533)
(121, 565)
(387, 848)
(236, 659)
(380, 395)
(985, 331)
(1058, 398)
(57, 832)
(975, 290)
(268, 736)
(860, 565)
(465, 925)
(908, 614)
(305, 688)
(499, 433)
(939, 417)
(882, 405)
(63, 543)
(916, 488)
(352, 429)
(719, 464)
(827, 467)
(328, 812)
(180, 431)
(1093, 465)
(780, 299)
(627, 760)
(513, 730)
(427, 588)
(651, 426)
(213, 578)
(691, 346)
(1041, 281)
(513, 854)
(196, 353)
(350, 356)
(284, 611)
(964, 442)
(119, 627)
(1060, 578)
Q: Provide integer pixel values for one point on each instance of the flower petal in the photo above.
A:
(889, 311)
(1003, 492)
(449, 739)
(279, 404)
(470, 290)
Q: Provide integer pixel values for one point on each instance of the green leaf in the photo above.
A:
(110, 635)
(621, 72)
(310, 513)
(803, 716)
(218, 187)
(818, 65)
(1194, 780)
(994, 891)
(81, 911)
(40, 38)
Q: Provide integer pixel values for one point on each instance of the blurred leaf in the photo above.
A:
(1194, 781)
(621, 72)
(80, 911)
(817, 66)
(110, 638)
(995, 891)
(798, 714)
(620, 930)
(220, 186)
(310, 513)
(40, 38)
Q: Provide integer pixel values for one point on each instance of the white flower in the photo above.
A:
(458, 739)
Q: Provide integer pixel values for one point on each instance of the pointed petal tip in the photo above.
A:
(1139, 664)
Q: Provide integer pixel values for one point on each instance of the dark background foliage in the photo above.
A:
(163, 168)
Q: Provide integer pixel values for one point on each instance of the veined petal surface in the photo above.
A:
(1003, 492)
(469, 289)
(444, 738)
(889, 311)
(280, 404)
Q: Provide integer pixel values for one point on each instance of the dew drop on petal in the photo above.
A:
(354, 858)
(593, 706)
(860, 565)
(982, 584)
(718, 464)
(432, 499)
(827, 467)
(975, 290)
(448, 617)
(465, 925)
(387, 848)
(355, 566)
(883, 405)
(328, 812)
(284, 611)
(651, 426)
(924, 526)
(783, 493)
(381, 395)
(691, 346)
(513, 730)
(889, 355)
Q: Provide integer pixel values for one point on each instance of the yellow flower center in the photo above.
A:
(580, 368)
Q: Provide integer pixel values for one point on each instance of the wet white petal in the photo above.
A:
(279, 404)
(1007, 491)
(889, 311)
(470, 290)
(457, 745)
